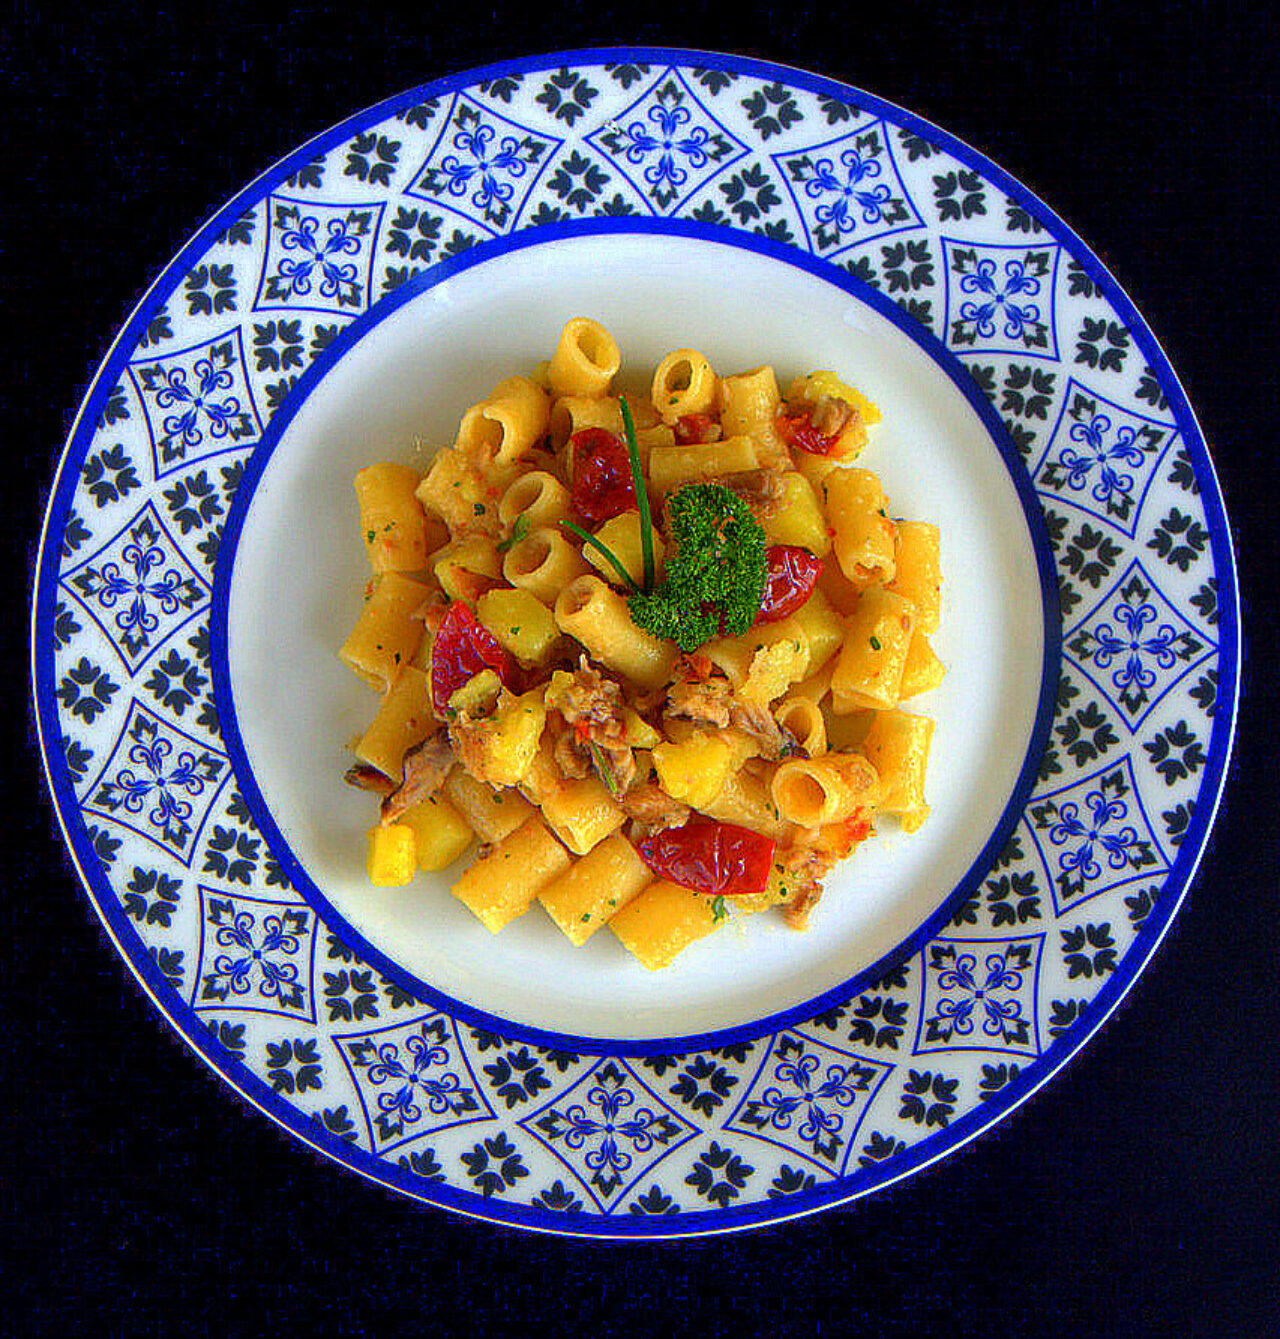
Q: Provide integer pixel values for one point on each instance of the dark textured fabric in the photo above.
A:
(1136, 1194)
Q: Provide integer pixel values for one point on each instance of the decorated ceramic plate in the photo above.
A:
(199, 567)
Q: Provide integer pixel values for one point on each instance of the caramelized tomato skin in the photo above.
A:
(797, 430)
(720, 859)
(692, 428)
(462, 648)
(791, 573)
(602, 484)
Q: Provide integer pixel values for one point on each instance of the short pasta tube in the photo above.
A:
(823, 627)
(802, 718)
(441, 834)
(455, 490)
(386, 634)
(544, 563)
(812, 792)
(594, 888)
(572, 414)
(581, 813)
(923, 671)
(491, 814)
(671, 466)
(865, 537)
(537, 496)
(468, 567)
(745, 799)
(503, 884)
(392, 521)
(874, 655)
(683, 383)
(748, 404)
(598, 617)
(506, 426)
(897, 744)
(662, 922)
(403, 721)
(585, 360)
(918, 572)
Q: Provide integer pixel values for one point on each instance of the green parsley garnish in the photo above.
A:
(719, 912)
(478, 508)
(518, 532)
(875, 643)
(603, 549)
(642, 495)
(716, 576)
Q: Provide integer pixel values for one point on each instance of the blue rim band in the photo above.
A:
(864, 1179)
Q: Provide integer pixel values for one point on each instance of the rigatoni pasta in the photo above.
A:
(639, 732)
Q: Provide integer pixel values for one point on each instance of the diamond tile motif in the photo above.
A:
(1001, 299)
(609, 1129)
(257, 955)
(980, 995)
(413, 1079)
(1093, 835)
(667, 143)
(1102, 457)
(809, 1097)
(1134, 645)
(483, 165)
(848, 190)
(319, 256)
(197, 401)
(138, 588)
(159, 782)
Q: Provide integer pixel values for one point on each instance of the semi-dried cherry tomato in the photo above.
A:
(721, 859)
(462, 649)
(791, 573)
(796, 427)
(692, 428)
(602, 483)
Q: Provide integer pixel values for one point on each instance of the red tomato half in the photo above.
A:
(602, 483)
(462, 649)
(797, 430)
(791, 573)
(721, 859)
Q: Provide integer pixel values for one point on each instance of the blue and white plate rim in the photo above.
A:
(929, 1150)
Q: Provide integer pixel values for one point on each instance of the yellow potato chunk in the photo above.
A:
(392, 859)
(520, 622)
(501, 749)
(693, 771)
(662, 922)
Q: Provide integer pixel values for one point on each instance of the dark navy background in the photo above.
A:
(1137, 1194)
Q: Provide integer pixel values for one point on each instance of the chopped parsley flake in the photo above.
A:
(875, 643)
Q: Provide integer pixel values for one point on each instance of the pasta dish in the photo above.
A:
(649, 651)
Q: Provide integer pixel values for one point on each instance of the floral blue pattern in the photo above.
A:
(610, 1129)
(138, 588)
(620, 1144)
(256, 955)
(1001, 298)
(196, 401)
(483, 165)
(667, 143)
(848, 190)
(319, 256)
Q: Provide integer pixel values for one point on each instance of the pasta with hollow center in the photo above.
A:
(646, 653)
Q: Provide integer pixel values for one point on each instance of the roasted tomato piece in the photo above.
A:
(721, 859)
(462, 648)
(791, 573)
(602, 483)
